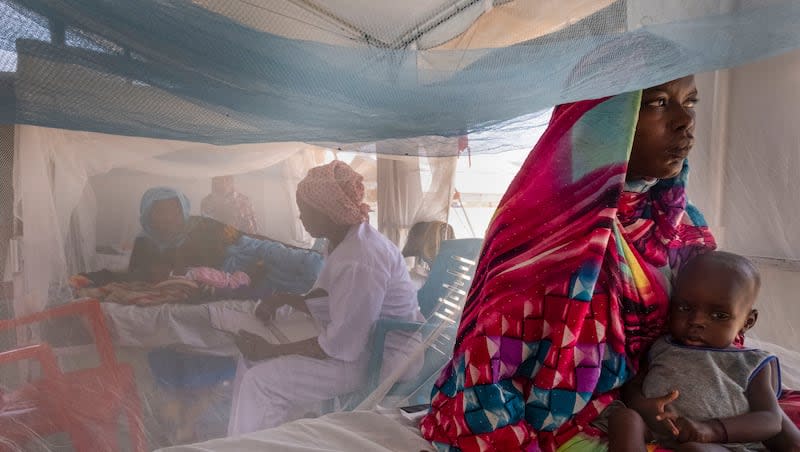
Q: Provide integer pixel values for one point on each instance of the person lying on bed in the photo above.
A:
(173, 243)
(721, 397)
(364, 278)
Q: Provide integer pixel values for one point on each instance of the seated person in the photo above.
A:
(174, 244)
(171, 240)
(180, 258)
(424, 240)
(719, 396)
(227, 205)
(364, 278)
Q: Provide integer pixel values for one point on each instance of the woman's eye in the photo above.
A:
(691, 103)
(660, 102)
(683, 308)
(720, 316)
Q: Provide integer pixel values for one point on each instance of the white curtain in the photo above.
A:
(403, 198)
(399, 195)
(57, 205)
(743, 178)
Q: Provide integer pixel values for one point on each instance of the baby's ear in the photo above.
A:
(752, 317)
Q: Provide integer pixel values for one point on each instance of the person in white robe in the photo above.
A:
(364, 278)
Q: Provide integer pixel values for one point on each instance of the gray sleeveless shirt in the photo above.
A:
(712, 382)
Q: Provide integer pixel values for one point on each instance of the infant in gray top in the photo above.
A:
(700, 390)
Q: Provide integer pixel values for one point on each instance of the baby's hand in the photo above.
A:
(687, 430)
(659, 414)
(694, 431)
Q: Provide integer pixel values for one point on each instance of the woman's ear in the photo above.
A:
(752, 317)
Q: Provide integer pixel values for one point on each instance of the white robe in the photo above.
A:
(366, 279)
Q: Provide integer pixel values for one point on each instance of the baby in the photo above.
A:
(719, 396)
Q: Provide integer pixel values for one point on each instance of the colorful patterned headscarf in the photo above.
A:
(571, 288)
(336, 190)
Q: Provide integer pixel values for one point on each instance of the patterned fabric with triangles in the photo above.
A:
(571, 288)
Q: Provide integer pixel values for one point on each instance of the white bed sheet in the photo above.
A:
(379, 431)
(186, 326)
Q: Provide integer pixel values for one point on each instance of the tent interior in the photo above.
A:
(436, 103)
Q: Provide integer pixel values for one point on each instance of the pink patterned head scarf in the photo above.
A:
(337, 191)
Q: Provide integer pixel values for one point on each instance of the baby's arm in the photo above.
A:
(650, 410)
(764, 419)
(787, 440)
(761, 423)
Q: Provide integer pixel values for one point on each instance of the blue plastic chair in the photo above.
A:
(440, 299)
(450, 275)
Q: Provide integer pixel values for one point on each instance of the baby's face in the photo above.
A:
(710, 307)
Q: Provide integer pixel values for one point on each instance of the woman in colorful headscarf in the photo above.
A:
(574, 278)
(364, 278)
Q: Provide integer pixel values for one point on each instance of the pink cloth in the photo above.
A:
(218, 278)
(337, 191)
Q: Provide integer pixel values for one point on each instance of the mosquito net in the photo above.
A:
(112, 107)
(234, 72)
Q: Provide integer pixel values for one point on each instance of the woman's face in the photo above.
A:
(166, 218)
(665, 131)
(315, 222)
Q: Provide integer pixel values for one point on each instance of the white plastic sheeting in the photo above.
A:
(744, 167)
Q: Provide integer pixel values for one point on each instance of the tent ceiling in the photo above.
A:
(451, 24)
(522, 20)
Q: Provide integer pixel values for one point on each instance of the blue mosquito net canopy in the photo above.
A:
(338, 72)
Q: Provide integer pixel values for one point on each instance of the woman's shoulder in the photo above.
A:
(372, 242)
(367, 248)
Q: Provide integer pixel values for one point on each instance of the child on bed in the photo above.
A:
(720, 397)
